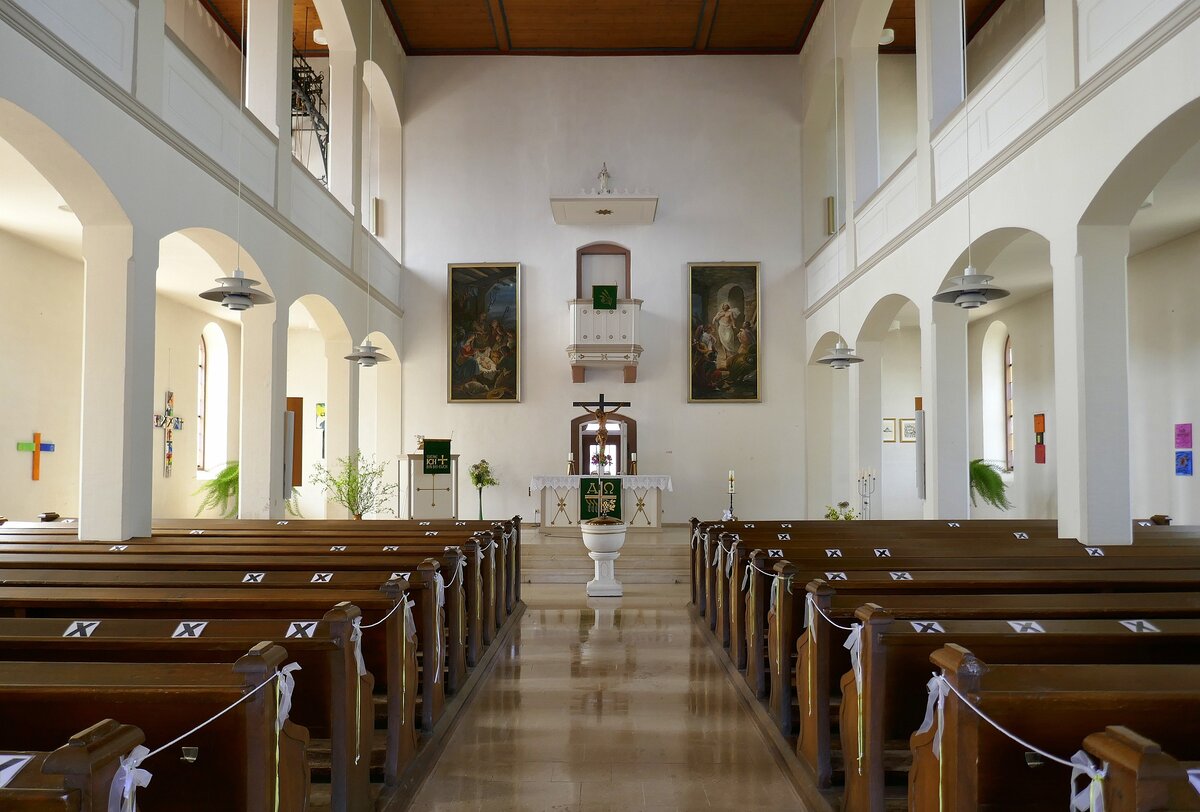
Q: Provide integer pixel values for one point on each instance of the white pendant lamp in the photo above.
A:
(237, 292)
(841, 356)
(367, 355)
(972, 289)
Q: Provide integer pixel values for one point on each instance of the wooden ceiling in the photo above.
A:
(601, 27)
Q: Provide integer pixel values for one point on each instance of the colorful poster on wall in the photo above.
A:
(320, 417)
(1183, 463)
(1183, 435)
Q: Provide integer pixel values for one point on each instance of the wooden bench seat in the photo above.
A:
(894, 666)
(73, 778)
(1141, 777)
(1055, 707)
(327, 689)
(41, 703)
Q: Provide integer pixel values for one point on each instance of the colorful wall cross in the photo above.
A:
(169, 423)
(37, 447)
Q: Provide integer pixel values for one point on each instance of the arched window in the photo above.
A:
(201, 402)
(1010, 444)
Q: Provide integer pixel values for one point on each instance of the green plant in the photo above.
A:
(988, 485)
(221, 493)
(841, 512)
(358, 485)
(482, 477)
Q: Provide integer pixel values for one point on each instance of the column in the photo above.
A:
(342, 398)
(944, 380)
(150, 36)
(268, 58)
(345, 96)
(862, 122)
(118, 382)
(941, 23)
(1091, 395)
(264, 388)
(868, 381)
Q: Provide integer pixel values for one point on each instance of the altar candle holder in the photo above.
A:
(866, 489)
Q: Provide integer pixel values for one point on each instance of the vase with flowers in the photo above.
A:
(602, 461)
(482, 477)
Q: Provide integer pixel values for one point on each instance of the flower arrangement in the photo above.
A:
(603, 460)
(841, 512)
(358, 486)
(482, 477)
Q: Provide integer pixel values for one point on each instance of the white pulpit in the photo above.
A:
(432, 496)
(641, 499)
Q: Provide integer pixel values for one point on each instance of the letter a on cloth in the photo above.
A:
(122, 796)
(1091, 797)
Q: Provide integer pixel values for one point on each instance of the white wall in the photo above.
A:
(41, 357)
(1164, 356)
(208, 43)
(901, 379)
(897, 111)
(1033, 488)
(486, 141)
(1007, 27)
(308, 378)
(177, 339)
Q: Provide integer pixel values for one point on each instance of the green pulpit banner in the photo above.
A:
(599, 496)
(604, 297)
(437, 457)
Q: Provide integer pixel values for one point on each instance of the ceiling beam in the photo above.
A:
(500, 25)
(708, 13)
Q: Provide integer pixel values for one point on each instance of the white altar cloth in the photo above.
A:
(628, 481)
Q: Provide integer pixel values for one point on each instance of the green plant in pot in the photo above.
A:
(482, 477)
(988, 484)
(221, 494)
(358, 485)
(841, 512)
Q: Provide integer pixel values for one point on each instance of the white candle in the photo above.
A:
(571, 456)
(633, 456)
(731, 481)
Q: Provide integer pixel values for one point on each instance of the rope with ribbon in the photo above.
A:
(853, 644)
(130, 775)
(1089, 799)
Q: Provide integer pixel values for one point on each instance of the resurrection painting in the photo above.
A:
(485, 333)
(723, 332)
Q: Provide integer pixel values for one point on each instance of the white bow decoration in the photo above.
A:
(729, 561)
(853, 644)
(937, 688)
(437, 652)
(808, 610)
(122, 795)
(1091, 797)
(746, 577)
(287, 684)
(356, 640)
(410, 624)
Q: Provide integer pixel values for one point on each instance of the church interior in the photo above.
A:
(863, 319)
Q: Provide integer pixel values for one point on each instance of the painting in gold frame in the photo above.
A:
(484, 302)
(723, 333)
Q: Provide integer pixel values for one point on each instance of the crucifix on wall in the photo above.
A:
(169, 423)
(38, 448)
(597, 410)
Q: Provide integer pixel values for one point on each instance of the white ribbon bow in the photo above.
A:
(287, 684)
(746, 577)
(356, 640)
(808, 610)
(440, 582)
(729, 563)
(720, 556)
(707, 562)
(695, 537)
(1091, 797)
(437, 652)
(774, 595)
(410, 623)
(122, 795)
(853, 644)
(1194, 779)
(937, 688)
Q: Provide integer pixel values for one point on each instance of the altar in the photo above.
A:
(641, 503)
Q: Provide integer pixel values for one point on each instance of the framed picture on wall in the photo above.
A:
(484, 333)
(723, 333)
(889, 429)
(908, 429)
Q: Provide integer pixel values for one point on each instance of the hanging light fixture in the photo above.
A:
(367, 354)
(841, 356)
(237, 292)
(971, 289)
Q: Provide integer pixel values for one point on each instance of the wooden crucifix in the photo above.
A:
(599, 412)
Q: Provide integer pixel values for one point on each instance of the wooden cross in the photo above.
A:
(601, 416)
(169, 423)
(37, 447)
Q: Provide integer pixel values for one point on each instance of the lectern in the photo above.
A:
(432, 496)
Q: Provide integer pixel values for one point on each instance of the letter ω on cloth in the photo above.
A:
(122, 795)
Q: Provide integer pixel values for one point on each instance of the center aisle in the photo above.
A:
(620, 705)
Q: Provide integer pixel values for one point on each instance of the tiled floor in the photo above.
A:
(616, 705)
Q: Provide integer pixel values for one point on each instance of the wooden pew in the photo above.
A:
(41, 702)
(331, 699)
(1052, 706)
(894, 666)
(73, 778)
(1141, 777)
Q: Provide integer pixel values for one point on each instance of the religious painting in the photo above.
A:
(485, 333)
(908, 430)
(889, 429)
(723, 333)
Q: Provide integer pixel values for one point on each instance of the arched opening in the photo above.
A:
(382, 161)
(216, 404)
(63, 232)
(994, 400)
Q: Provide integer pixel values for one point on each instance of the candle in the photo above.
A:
(731, 481)
(633, 456)
(571, 456)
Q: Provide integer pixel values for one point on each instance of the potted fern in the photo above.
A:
(987, 484)
(221, 494)
(482, 477)
(358, 485)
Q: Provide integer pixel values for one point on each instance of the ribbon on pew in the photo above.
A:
(437, 638)
(122, 795)
(720, 557)
(1090, 799)
(356, 641)
(810, 610)
(854, 645)
(1194, 779)
(287, 686)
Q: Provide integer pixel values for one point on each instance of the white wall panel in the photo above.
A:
(320, 215)
(1108, 27)
(102, 31)
(890, 211)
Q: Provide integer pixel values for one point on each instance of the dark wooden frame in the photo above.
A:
(602, 249)
(629, 429)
